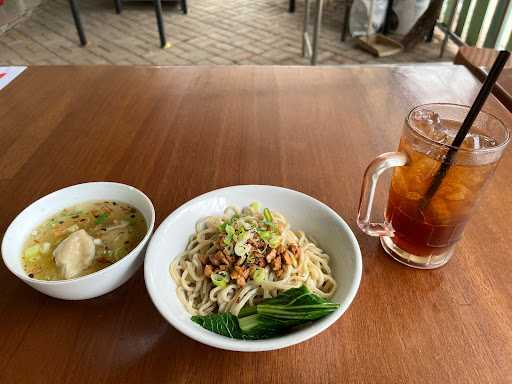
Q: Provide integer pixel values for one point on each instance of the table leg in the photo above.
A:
(184, 7)
(78, 23)
(389, 10)
(430, 35)
(305, 28)
(119, 6)
(160, 23)
(316, 30)
(291, 6)
(346, 19)
(449, 26)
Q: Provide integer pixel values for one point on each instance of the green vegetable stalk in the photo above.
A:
(270, 318)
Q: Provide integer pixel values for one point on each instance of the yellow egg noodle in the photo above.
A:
(202, 294)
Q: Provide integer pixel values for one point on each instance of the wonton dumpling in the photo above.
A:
(74, 254)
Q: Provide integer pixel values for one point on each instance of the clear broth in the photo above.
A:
(119, 227)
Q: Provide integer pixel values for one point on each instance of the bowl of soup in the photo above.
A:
(81, 241)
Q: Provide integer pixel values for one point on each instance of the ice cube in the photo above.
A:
(452, 191)
(478, 141)
(440, 211)
(471, 141)
(429, 124)
(442, 136)
(487, 142)
(426, 118)
(413, 196)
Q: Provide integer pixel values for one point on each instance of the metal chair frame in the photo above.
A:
(75, 11)
(310, 46)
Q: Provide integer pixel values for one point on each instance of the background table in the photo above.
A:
(178, 132)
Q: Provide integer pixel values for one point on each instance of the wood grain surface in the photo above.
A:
(178, 132)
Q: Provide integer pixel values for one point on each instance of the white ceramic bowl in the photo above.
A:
(302, 211)
(88, 286)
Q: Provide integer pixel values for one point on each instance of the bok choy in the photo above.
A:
(272, 317)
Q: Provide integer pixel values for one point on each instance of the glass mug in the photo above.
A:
(419, 230)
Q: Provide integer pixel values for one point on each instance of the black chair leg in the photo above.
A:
(291, 6)
(346, 19)
(430, 35)
(184, 8)
(119, 6)
(387, 19)
(78, 23)
(160, 22)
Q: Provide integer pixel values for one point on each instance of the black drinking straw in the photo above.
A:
(486, 89)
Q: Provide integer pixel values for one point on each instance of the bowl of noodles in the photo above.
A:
(252, 268)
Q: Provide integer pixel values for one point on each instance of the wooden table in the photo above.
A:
(178, 132)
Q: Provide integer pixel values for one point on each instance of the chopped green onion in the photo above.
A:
(241, 260)
(241, 248)
(267, 215)
(250, 259)
(255, 206)
(239, 234)
(270, 238)
(244, 236)
(274, 241)
(230, 231)
(32, 253)
(101, 218)
(265, 235)
(220, 279)
(247, 226)
(234, 218)
(259, 275)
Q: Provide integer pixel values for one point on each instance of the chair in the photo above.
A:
(75, 11)
(346, 19)
(478, 61)
(119, 6)
(310, 47)
(291, 6)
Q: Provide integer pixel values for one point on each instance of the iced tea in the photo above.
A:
(419, 230)
(431, 228)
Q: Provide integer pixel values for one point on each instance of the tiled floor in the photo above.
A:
(213, 32)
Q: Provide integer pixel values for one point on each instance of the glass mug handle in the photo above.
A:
(380, 164)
